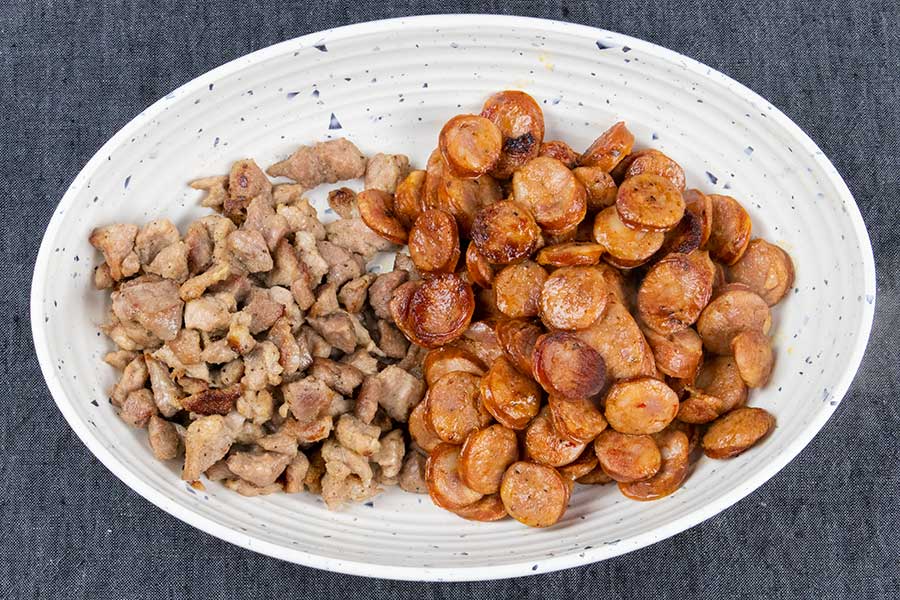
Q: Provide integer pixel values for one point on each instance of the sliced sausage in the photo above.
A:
(543, 444)
(753, 356)
(511, 397)
(698, 204)
(376, 207)
(627, 458)
(485, 456)
(649, 202)
(581, 466)
(434, 242)
(619, 341)
(766, 269)
(736, 432)
(440, 361)
(685, 238)
(442, 478)
(628, 247)
(470, 145)
(533, 494)
(656, 163)
(600, 187)
(560, 151)
(640, 405)
(567, 366)
(556, 198)
(596, 477)
(441, 309)
(699, 408)
(678, 354)
(673, 294)
(408, 198)
(420, 429)
(517, 337)
(674, 449)
(463, 198)
(517, 289)
(505, 232)
(399, 307)
(486, 305)
(579, 421)
(574, 298)
(478, 268)
(721, 378)
(454, 406)
(731, 228)
(559, 237)
(481, 340)
(434, 174)
(606, 151)
(732, 311)
(570, 254)
(521, 123)
(489, 508)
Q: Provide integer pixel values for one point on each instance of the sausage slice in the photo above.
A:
(579, 421)
(505, 232)
(511, 397)
(442, 478)
(649, 202)
(581, 466)
(678, 354)
(626, 458)
(736, 432)
(766, 269)
(440, 310)
(600, 187)
(420, 429)
(628, 247)
(720, 377)
(656, 163)
(489, 508)
(517, 289)
(732, 311)
(470, 145)
(730, 231)
(561, 151)
(753, 356)
(698, 204)
(640, 405)
(543, 444)
(673, 447)
(619, 341)
(447, 359)
(434, 242)
(570, 254)
(478, 268)
(408, 198)
(573, 298)
(454, 406)
(376, 207)
(606, 151)
(673, 294)
(521, 123)
(434, 174)
(567, 366)
(485, 456)
(533, 494)
(463, 198)
(517, 337)
(556, 198)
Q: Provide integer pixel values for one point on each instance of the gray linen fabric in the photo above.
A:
(72, 73)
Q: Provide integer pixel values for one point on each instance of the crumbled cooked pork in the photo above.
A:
(134, 377)
(119, 358)
(391, 340)
(261, 367)
(301, 217)
(354, 235)
(326, 301)
(385, 171)
(257, 407)
(199, 248)
(340, 377)
(343, 265)
(259, 468)
(151, 302)
(166, 394)
(382, 290)
(210, 313)
(307, 398)
(245, 182)
(352, 433)
(389, 455)
(195, 286)
(206, 441)
(138, 408)
(164, 439)
(343, 202)
(250, 251)
(102, 278)
(412, 474)
(212, 401)
(287, 193)
(295, 473)
(362, 360)
(353, 294)
(153, 237)
(325, 162)
(338, 329)
(116, 242)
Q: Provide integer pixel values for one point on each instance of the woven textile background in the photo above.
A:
(72, 73)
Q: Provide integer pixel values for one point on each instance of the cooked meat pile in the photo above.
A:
(589, 319)
(255, 346)
(574, 318)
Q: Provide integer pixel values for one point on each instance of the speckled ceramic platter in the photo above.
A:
(389, 86)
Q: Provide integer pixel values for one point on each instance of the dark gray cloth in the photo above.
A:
(72, 73)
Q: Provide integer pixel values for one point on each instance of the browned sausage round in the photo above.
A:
(376, 207)
(463, 198)
(442, 478)
(408, 198)
(434, 242)
(517, 337)
(399, 307)
(732, 311)
(567, 366)
(517, 289)
(579, 421)
(686, 236)
(627, 458)
(640, 405)
(511, 397)
(601, 189)
(649, 202)
(627, 246)
(677, 354)
(753, 356)
(606, 151)
(536, 495)
(521, 122)
(505, 232)
(478, 268)
(581, 466)
(448, 359)
(657, 163)
(561, 151)
(720, 377)
(454, 406)
(440, 310)
(698, 204)
(489, 508)
(736, 432)
(570, 254)
(766, 269)
(573, 298)
(556, 198)
(731, 228)
(434, 174)
(673, 447)
(470, 145)
(619, 341)
(673, 294)
(485, 456)
(481, 340)
(543, 444)
(699, 408)
(420, 429)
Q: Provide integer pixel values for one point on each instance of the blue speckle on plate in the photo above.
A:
(654, 136)
(712, 178)
(425, 85)
(626, 49)
(211, 86)
(334, 123)
(321, 47)
(748, 150)
(534, 568)
(601, 45)
(870, 298)
(94, 402)
(291, 95)
(216, 142)
(127, 181)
